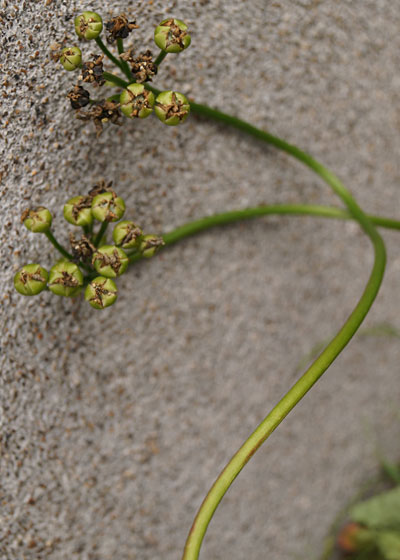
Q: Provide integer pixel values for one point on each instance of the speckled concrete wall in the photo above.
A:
(114, 424)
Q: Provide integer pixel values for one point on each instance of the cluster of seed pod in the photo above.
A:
(92, 264)
(137, 99)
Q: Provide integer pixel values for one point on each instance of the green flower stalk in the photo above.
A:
(38, 221)
(137, 101)
(150, 244)
(71, 58)
(65, 279)
(101, 292)
(172, 108)
(31, 280)
(110, 261)
(127, 235)
(78, 211)
(108, 207)
(88, 25)
(171, 36)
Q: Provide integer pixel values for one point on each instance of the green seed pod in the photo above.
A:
(65, 279)
(101, 292)
(171, 36)
(71, 58)
(127, 235)
(88, 25)
(150, 244)
(78, 211)
(171, 107)
(110, 261)
(108, 207)
(31, 280)
(136, 101)
(38, 220)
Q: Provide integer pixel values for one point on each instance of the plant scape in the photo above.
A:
(92, 264)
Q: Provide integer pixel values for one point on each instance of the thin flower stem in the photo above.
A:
(124, 64)
(217, 220)
(197, 226)
(108, 54)
(100, 234)
(324, 360)
(87, 229)
(115, 97)
(331, 351)
(115, 79)
(57, 245)
(120, 45)
(160, 58)
(62, 250)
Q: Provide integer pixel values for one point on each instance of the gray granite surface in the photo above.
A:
(114, 424)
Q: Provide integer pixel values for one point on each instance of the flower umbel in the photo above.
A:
(110, 261)
(65, 279)
(172, 36)
(142, 66)
(78, 211)
(136, 101)
(71, 58)
(102, 112)
(119, 28)
(127, 235)
(108, 207)
(79, 97)
(150, 244)
(82, 249)
(171, 107)
(88, 25)
(31, 280)
(38, 220)
(92, 71)
(101, 292)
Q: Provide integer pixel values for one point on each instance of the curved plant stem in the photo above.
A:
(59, 247)
(325, 359)
(115, 60)
(328, 355)
(196, 226)
(217, 220)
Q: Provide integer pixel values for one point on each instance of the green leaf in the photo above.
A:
(388, 543)
(379, 512)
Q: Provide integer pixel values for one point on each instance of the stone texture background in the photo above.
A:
(114, 424)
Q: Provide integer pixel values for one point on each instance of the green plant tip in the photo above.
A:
(31, 279)
(38, 221)
(127, 235)
(171, 36)
(88, 25)
(150, 244)
(101, 292)
(108, 207)
(137, 101)
(171, 107)
(78, 211)
(71, 58)
(65, 279)
(110, 261)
